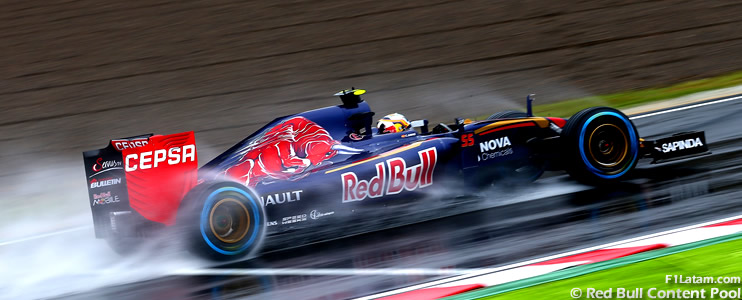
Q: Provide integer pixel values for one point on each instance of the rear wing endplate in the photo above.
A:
(146, 176)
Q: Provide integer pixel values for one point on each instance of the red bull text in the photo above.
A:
(400, 178)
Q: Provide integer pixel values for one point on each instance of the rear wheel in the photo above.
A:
(222, 220)
(600, 145)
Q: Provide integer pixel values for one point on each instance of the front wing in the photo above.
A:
(678, 146)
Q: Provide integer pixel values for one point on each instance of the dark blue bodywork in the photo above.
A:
(328, 172)
(317, 199)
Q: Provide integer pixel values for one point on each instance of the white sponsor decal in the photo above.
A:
(101, 166)
(280, 198)
(680, 145)
(95, 183)
(271, 223)
(401, 178)
(294, 219)
(104, 198)
(126, 144)
(152, 159)
(494, 144)
(496, 154)
(315, 214)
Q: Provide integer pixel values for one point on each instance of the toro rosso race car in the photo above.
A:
(331, 166)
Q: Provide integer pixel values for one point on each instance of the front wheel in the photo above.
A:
(600, 145)
(222, 220)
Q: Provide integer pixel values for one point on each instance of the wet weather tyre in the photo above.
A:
(222, 220)
(508, 114)
(600, 145)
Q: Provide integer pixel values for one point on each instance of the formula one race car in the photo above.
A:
(331, 166)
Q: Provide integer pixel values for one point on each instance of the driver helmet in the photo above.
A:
(392, 123)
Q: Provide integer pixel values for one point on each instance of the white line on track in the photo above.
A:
(538, 260)
(686, 107)
(323, 272)
(48, 234)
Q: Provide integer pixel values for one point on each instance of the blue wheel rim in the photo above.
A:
(205, 218)
(633, 141)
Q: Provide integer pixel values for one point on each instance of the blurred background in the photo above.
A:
(75, 74)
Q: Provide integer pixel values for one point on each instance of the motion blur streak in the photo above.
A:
(44, 235)
(323, 271)
(686, 107)
(47, 246)
(543, 259)
(77, 73)
(516, 225)
(72, 262)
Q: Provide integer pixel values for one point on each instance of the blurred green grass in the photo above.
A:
(628, 99)
(724, 259)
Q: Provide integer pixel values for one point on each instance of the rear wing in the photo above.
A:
(678, 146)
(139, 181)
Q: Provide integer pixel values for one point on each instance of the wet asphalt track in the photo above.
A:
(552, 215)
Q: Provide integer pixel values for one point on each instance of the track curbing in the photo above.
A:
(590, 268)
(627, 251)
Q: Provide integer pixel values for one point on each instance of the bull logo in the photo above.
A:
(286, 151)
